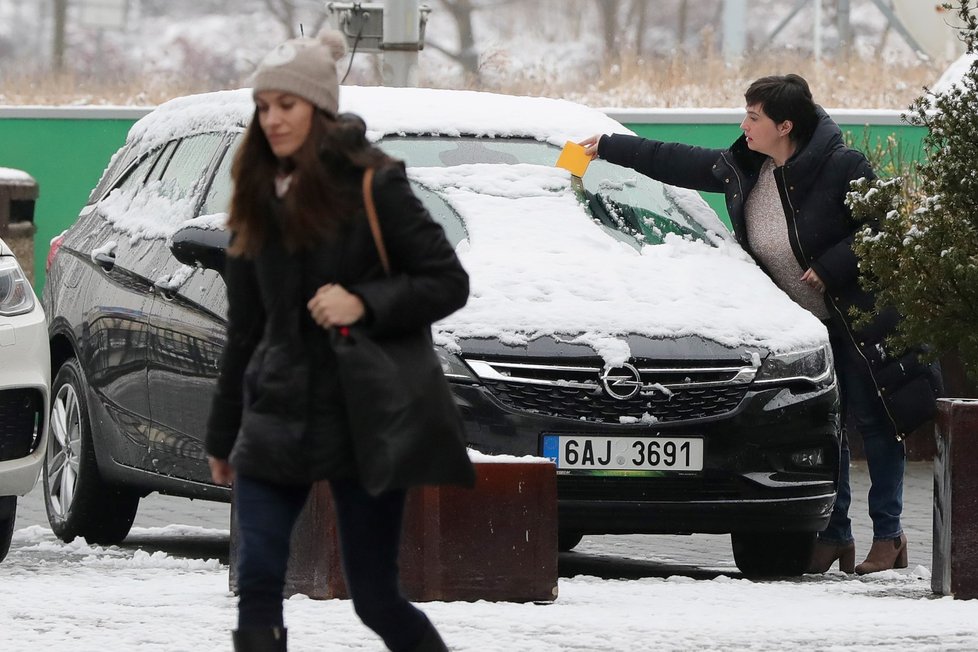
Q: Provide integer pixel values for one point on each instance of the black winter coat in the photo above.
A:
(812, 184)
(278, 413)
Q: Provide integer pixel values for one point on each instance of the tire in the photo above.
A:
(772, 554)
(78, 502)
(566, 541)
(8, 516)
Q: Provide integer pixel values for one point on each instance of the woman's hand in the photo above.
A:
(812, 279)
(591, 145)
(221, 471)
(332, 305)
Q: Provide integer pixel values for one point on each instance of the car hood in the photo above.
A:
(539, 266)
(4, 249)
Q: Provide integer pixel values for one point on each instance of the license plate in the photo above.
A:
(624, 453)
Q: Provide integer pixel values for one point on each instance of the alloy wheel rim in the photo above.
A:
(64, 450)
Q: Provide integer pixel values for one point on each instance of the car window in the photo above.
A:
(136, 176)
(122, 160)
(161, 161)
(442, 213)
(446, 152)
(185, 172)
(218, 199)
(618, 198)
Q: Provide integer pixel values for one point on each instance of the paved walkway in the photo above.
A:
(701, 550)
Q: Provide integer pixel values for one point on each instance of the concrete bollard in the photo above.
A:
(497, 541)
(955, 559)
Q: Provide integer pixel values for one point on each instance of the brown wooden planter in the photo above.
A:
(955, 562)
(497, 541)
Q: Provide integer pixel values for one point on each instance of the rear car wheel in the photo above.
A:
(8, 514)
(770, 554)
(78, 501)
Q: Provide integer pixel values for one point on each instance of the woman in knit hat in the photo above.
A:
(302, 260)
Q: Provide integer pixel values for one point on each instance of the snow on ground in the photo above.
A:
(74, 596)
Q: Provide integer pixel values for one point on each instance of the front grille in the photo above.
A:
(668, 393)
(665, 489)
(21, 417)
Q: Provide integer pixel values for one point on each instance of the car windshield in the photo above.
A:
(630, 206)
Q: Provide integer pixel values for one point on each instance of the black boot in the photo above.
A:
(431, 641)
(260, 639)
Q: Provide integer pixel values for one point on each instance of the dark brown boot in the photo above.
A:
(884, 555)
(825, 553)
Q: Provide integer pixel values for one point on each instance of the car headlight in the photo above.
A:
(16, 295)
(454, 368)
(812, 365)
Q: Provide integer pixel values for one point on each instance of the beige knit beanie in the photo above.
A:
(305, 67)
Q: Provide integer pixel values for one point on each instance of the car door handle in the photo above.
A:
(105, 260)
(164, 290)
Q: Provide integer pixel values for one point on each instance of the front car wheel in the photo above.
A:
(78, 501)
(772, 554)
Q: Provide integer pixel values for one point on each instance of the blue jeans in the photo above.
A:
(369, 531)
(885, 456)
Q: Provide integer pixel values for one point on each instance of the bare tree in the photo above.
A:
(465, 54)
(610, 28)
(683, 21)
(58, 42)
(289, 14)
(638, 18)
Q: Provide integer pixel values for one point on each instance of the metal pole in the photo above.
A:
(402, 38)
(734, 28)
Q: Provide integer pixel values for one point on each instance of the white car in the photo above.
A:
(25, 380)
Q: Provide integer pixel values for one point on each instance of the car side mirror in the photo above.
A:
(198, 245)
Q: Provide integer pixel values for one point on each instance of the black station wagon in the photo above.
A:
(614, 327)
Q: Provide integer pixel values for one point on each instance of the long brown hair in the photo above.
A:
(324, 192)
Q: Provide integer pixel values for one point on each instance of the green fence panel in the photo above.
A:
(66, 156)
(66, 150)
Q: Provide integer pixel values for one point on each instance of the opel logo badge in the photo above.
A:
(621, 382)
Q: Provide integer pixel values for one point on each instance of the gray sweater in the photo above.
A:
(767, 233)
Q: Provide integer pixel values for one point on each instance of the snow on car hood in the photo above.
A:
(539, 266)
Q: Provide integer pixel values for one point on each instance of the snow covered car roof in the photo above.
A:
(390, 111)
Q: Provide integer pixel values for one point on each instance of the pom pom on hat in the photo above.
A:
(333, 40)
(305, 67)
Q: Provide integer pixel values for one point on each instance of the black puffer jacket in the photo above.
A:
(812, 185)
(278, 412)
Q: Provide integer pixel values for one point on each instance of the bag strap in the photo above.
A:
(368, 202)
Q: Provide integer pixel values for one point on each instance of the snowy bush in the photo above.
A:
(919, 248)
